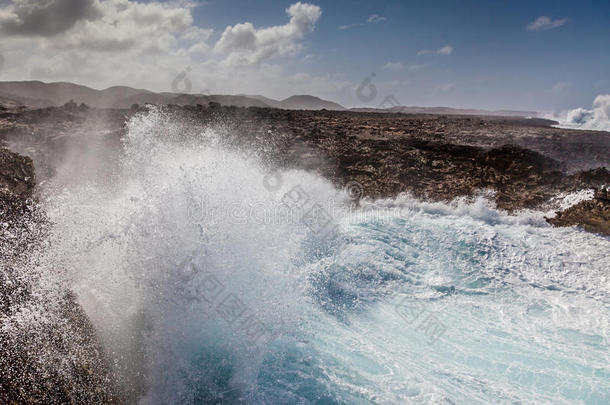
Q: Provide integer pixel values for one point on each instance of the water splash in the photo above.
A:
(597, 118)
(200, 301)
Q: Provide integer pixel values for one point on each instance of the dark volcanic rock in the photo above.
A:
(58, 363)
(593, 215)
(524, 162)
(16, 174)
(48, 350)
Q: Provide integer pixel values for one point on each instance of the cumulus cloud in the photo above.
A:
(139, 27)
(124, 42)
(45, 17)
(545, 23)
(445, 50)
(247, 45)
(373, 19)
(93, 25)
(102, 43)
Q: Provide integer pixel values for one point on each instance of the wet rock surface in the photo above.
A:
(49, 352)
(16, 174)
(524, 162)
(593, 215)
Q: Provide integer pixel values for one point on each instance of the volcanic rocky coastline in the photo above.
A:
(57, 362)
(523, 163)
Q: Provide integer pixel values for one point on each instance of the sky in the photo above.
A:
(525, 55)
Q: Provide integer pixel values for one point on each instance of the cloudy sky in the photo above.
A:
(540, 55)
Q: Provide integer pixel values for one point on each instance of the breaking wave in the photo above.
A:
(211, 279)
(597, 118)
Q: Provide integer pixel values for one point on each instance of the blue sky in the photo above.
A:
(454, 53)
(496, 62)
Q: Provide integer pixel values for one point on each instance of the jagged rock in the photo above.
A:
(593, 215)
(436, 157)
(524, 162)
(16, 174)
(49, 353)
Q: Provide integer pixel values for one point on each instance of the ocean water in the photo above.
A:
(597, 118)
(213, 280)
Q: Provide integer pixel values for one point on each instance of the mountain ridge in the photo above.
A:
(41, 94)
(448, 111)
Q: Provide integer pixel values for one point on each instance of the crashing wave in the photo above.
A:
(401, 301)
(597, 118)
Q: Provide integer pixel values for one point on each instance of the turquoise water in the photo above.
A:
(510, 337)
(209, 286)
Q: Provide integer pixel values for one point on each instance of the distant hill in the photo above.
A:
(305, 102)
(448, 111)
(302, 102)
(39, 94)
(269, 101)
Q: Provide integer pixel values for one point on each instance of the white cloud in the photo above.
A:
(545, 23)
(394, 66)
(373, 19)
(247, 45)
(122, 42)
(147, 44)
(348, 26)
(46, 17)
(196, 34)
(445, 50)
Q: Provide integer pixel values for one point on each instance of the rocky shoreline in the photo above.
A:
(55, 360)
(524, 163)
(593, 215)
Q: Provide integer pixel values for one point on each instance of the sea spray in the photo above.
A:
(199, 303)
(597, 118)
(144, 255)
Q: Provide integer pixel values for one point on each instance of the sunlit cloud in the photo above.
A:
(545, 23)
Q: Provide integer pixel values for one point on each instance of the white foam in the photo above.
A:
(597, 118)
(140, 252)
